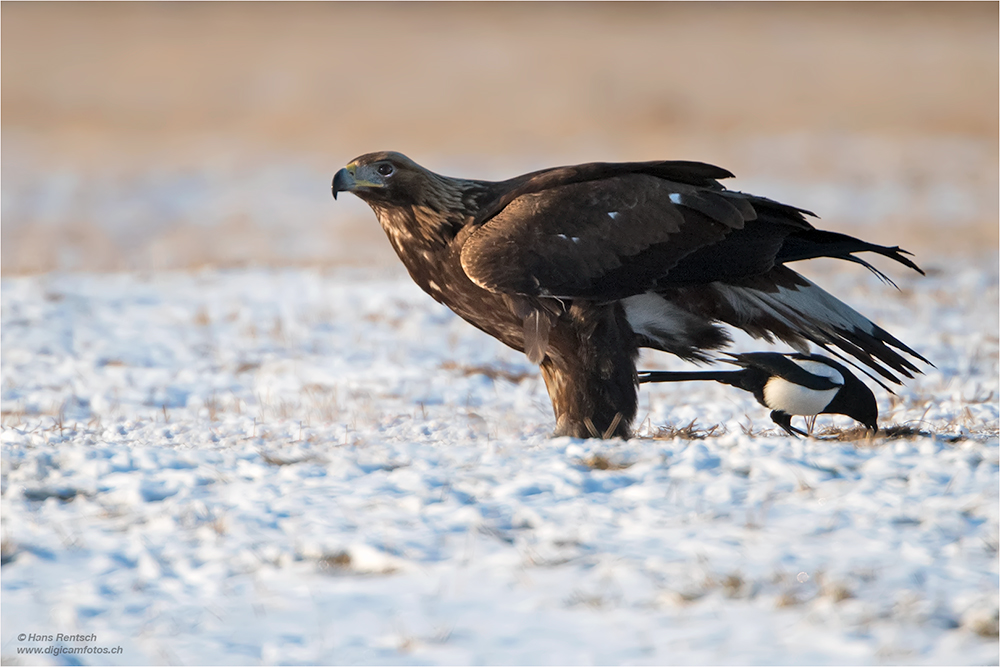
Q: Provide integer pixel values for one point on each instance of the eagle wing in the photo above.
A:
(714, 253)
(618, 236)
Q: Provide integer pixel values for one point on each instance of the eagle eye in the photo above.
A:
(385, 169)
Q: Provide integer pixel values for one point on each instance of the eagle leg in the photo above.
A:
(589, 372)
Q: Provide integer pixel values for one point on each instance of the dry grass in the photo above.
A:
(492, 372)
(859, 435)
(342, 563)
(784, 590)
(582, 599)
(691, 431)
(214, 407)
(985, 624)
(202, 318)
(13, 417)
(787, 599)
(748, 429)
(599, 461)
(909, 431)
(338, 561)
(735, 586)
(8, 550)
(278, 460)
(850, 434)
(247, 366)
(324, 401)
(836, 591)
(903, 432)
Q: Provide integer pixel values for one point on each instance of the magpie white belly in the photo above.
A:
(793, 399)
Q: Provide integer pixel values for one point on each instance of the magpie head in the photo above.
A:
(856, 401)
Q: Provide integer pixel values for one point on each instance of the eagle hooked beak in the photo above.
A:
(349, 179)
(343, 181)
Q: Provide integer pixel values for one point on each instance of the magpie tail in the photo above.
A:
(725, 377)
(812, 243)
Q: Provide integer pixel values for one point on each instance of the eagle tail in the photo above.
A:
(808, 244)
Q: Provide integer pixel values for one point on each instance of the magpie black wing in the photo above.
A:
(785, 367)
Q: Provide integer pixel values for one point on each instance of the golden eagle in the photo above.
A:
(580, 266)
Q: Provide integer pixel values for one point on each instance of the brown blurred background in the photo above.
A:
(178, 135)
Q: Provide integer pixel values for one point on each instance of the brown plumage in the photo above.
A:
(578, 267)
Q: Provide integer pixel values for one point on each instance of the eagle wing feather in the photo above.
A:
(599, 239)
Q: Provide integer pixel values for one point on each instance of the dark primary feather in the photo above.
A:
(782, 304)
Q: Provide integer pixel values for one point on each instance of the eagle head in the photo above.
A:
(384, 177)
(411, 201)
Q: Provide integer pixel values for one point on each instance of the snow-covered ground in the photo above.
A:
(241, 467)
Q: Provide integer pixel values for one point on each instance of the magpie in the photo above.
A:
(790, 384)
